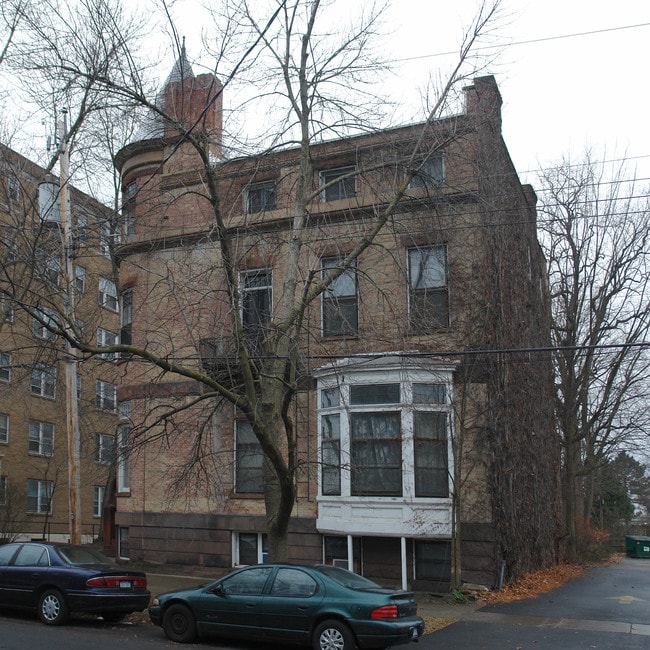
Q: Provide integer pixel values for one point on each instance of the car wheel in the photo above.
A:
(113, 617)
(52, 609)
(333, 635)
(179, 624)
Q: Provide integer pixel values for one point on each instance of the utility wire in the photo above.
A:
(526, 42)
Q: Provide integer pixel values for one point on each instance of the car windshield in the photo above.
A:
(78, 555)
(347, 578)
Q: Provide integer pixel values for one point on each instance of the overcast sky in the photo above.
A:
(572, 73)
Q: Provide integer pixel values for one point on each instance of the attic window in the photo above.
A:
(259, 197)
(340, 183)
(430, 173)
(13, 189)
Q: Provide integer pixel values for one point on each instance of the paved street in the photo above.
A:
(608, 608)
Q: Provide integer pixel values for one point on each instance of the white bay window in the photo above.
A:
(384, 444)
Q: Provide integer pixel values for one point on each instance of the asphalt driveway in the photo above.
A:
(608, 608)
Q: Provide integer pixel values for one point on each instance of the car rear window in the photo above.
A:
(80, 555)
(347, 578)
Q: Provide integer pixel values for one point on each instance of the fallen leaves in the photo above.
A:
(538, 582)
(433, 623)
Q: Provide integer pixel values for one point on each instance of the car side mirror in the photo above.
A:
(218, 590)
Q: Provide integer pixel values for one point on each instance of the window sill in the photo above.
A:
(340, 337)
(247, 495)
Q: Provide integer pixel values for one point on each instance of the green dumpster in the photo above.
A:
(637, 546)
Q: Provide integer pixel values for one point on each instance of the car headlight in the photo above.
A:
(155, 601)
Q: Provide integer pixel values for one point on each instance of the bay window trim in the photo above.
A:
(425, 387)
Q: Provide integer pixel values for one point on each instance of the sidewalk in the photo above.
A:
(439, 606)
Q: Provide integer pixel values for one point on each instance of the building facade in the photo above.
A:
(34, 400)
(423, 409)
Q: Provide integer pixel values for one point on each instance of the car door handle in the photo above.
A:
(251, 604)
(303, 608)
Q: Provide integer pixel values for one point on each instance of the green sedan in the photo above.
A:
(323, 606)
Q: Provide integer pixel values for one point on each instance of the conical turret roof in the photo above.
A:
(182, 68)
(152, 125)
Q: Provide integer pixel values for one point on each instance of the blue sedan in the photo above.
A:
(59, 579)
(323, 606)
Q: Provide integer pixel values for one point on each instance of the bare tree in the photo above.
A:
(596, 235)
(309, 73)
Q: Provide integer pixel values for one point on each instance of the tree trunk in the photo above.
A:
(572, 464)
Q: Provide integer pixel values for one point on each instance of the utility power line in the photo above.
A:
(542, 39)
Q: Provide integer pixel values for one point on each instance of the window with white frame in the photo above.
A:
(5, 367)
(9, 254)
(129, 192)
(4, 428)
(430, 173)
(256, 297)
(340, 304)
(124, 458)
(375, 441)
(80, 278)
(126, 316)
(50, 266)
(98, 499)
(7, 307)
(128, 218)
(53, 271)
(331, 453)
(41, 438)
(81, 228)
(106, 396)
(107, 338)
(340, 183)
(123, 545)
(259, 197)
(104, 447)
(43, 381)
(124, 410)
(44, 324)
(384, 436)
(249, 459)
(256, 305)
(250, 548)
(39, 496)
(335, 552)
(107, 295)
(428, 288)
(13, 188)
(107, 239)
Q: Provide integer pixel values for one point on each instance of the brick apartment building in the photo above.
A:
(420, 393)
(34, 494)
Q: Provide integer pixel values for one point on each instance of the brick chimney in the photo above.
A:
(483, 101)
(195, 102)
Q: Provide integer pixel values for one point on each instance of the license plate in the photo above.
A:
(125, 584)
